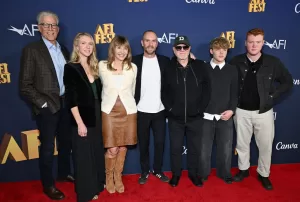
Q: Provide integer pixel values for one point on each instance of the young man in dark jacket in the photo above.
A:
(185, 96)
(218, 123)
(258, 74)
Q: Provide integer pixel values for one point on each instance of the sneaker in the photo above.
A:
(161, 176)
(143, 178)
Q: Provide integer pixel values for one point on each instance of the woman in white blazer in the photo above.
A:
(119, 109)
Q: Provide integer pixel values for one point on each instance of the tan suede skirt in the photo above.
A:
(118, 128)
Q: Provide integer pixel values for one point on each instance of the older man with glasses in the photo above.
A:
(41, 84)
(186, 95)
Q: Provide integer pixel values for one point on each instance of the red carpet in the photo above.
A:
(285, 179)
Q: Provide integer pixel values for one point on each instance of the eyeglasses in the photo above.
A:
(46, 25)
(178, 48)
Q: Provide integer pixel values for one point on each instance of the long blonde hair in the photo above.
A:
(118, 41)
(91, 60)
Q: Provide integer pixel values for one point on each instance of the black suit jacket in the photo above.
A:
(38, 81)
(163, 62)
(79, 93)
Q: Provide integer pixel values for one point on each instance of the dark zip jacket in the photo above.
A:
(186, 90)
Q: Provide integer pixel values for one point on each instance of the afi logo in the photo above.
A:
(277, 44)
(281, 146)
(200, 1)
(167, 38)
(297, 8)
(104, 34)
(229, 35)
(296, 82)
(257, 6)
(25, 30)
(4, 74)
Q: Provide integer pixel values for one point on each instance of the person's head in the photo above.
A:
(218, 48)
(84, 48)
(48, 25)
(149, 42)
(119, 50)
(254, 41)
(182, 47)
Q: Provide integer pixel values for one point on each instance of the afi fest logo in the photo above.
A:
(282, 146)
(26, 30)
(256, 6)
(297, 8)
(4, 74)
(167, 38)
(277, 44)
(104, 33)
(200, 1)
(229, 35)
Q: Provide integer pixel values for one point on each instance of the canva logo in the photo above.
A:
(167, 37)
(281, 146)
(297, 8)
(25, 30)
(200, 1)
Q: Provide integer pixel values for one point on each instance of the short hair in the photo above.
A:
(145, 32)
(255, 32)
(219, 42)
(46, 13)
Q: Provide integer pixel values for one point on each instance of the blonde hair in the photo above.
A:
(219, 42)
(91, 60)
(118, 41)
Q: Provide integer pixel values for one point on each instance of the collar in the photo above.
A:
(258, 61)
(50, 45)
(214, 64)
(125, 65)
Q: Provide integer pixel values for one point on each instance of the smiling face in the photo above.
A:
(49, 28)
(149, 43)
(120, 52)
(182, 51)
(85, 46)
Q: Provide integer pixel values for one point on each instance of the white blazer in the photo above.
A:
(125, 92)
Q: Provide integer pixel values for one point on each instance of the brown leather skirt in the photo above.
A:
(118, 128)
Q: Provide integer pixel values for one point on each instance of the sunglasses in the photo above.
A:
(178, 48)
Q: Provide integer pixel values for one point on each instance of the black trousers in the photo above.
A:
(177, 130)
(51, 126)
(157, 122)
(222, 132)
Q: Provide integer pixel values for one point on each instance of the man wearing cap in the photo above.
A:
(186, 94)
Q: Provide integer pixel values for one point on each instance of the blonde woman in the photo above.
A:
(83, 92)
(119, 110)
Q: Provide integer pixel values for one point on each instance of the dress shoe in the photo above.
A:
(241, 175)
(196, 181)
(53, 193)
(174, 181)
(228, 180)
(69, 178)
(266, 183)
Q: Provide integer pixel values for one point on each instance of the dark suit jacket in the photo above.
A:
(79, 93)
(38, 81)
(163, 62)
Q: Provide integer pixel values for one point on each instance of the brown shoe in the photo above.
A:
(109, 170)
(53, 193)
(118, 170)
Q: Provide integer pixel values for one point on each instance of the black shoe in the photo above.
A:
(143, 178)
(241, 175)
(174, 181)
(228, 180)
(69, 178)
(266, 183)
(53, 193)
(196, 181)
(161, 176)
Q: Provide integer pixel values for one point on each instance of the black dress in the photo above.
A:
(89, 164)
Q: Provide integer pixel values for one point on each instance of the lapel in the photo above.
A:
(84, 76)
(160, 64)
(139, 65)
(99, 87)
(47, 57)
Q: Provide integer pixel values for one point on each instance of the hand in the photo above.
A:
(192, 56)
(82, 130)
(226, 115)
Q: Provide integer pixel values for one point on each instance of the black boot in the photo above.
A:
(241, 175)
(266, 183)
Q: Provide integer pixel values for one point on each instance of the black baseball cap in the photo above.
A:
(182, 40)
